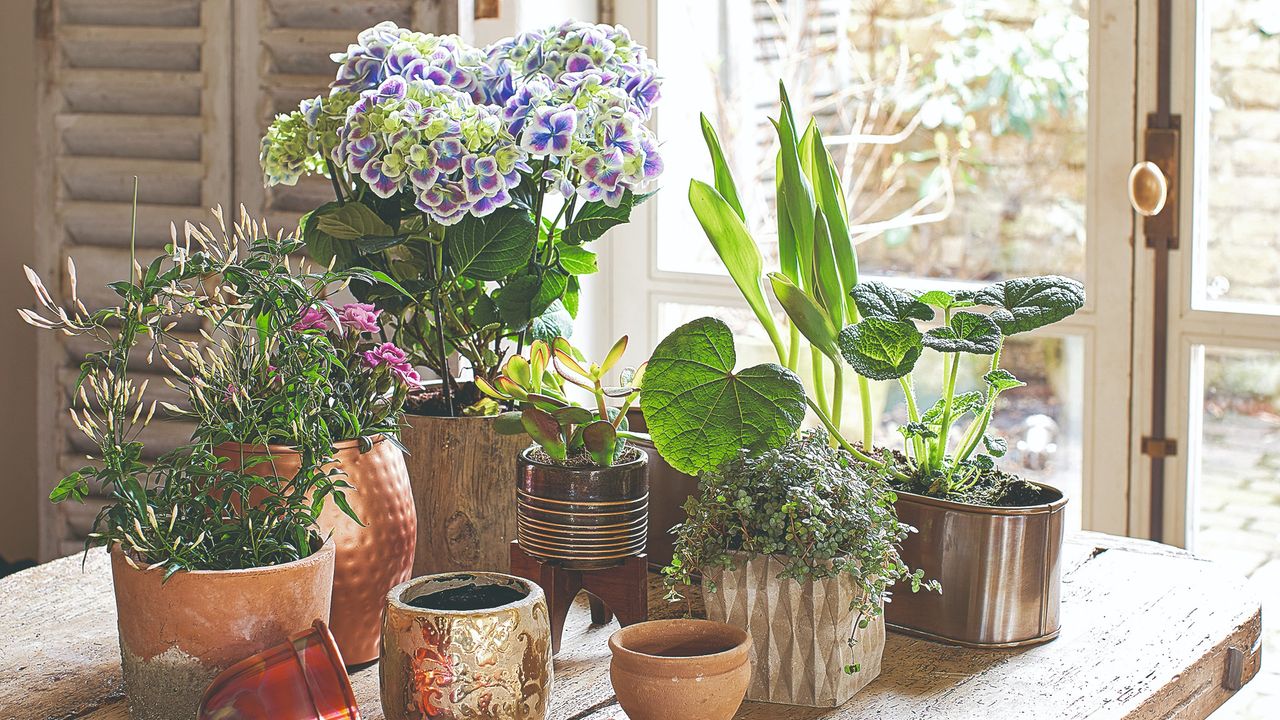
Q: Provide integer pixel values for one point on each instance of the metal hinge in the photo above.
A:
(1159, 447)
(1153, 184)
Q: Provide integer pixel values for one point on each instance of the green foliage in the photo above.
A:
(886, 345)
(700, 412)
(814, 508)
(566, 431)
(186, 511)
(494, 246)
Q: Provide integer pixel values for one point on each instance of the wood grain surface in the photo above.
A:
(1146, 633)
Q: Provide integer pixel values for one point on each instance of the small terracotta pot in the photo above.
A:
(582, 517)
(667, 669)
(371, 558)
(303, 678)
(177, 635)
(466, 645)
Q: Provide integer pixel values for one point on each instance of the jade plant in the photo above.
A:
(565, 429)
(887, 343)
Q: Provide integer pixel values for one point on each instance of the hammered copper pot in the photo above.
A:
(669, 669)
(370, 559)
(177, 634)
(466, 645)
(1000, 569)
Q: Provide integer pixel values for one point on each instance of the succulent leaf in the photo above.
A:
(601, 442)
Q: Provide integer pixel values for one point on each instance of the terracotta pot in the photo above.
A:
(668, 490)
(177, 635)
(583, 517)
(466, 645)
(667, 669)
(303, 678)
(1000, 569)
(801, 631)
(461, 471)
(371, 559)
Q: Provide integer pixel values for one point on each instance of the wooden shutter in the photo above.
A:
(178, 93)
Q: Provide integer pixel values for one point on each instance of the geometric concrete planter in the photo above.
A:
(800, 631)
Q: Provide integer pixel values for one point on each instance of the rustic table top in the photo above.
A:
(1148, 631)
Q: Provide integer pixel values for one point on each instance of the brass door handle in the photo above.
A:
(1148, 188)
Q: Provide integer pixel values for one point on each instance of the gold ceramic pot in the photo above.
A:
(371, 559)
(466, 645)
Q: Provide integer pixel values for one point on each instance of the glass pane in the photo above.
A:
(1238, 266)
(1235, 483)
(1042, 423)
(960, 131)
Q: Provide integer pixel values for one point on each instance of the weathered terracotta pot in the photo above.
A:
(177, 635)
(466, 645)
(667, 669)
(1000, 569)
(461, 471)
(801, 632)
(584, 518)
(371, 559)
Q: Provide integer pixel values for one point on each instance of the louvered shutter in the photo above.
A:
(177, 92)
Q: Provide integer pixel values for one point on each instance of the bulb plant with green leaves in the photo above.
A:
(888, 342)
(567, 431)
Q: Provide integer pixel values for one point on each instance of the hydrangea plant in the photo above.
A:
(475, 178)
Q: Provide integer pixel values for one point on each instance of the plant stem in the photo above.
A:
(333, 178)
(815, 357)
(913, 414)
(837, 399)
(868, 422)
(434, 259)
(940, 446)
(793, 350)
(856, 453)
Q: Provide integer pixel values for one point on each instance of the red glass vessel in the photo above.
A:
(300, 679)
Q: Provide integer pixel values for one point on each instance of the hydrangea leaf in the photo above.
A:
(700, 412)
(967, 332)
(493, 246)
(554, 322)
(526, 297)
(877, 300)
(576, 259)
(1024, 304)
(596, 217)
(352, 221)
(880, 348)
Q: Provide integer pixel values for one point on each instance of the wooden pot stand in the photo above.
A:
(620, 591)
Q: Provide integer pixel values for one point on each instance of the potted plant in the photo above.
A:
(202, 578)
(582, 494)
(993, 539)
(476, 178)
(320, 372)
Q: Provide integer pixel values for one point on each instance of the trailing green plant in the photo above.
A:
(813, 507)
(565, 429)
(187, 511)
(887, 343)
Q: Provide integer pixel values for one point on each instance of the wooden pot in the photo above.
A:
(668, 669)
(461, 470)
(801, 632)
(371, 558)
(1000, 569)
(584, 518)
(177, 635)
(466, 645)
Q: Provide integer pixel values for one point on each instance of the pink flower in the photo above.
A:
(229, 395)
(361, 317)
(385, 354)
(408, 376)
(313, 318)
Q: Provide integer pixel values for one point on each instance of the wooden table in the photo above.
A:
(1148, 631)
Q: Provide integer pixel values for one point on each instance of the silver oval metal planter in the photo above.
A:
(999, 568)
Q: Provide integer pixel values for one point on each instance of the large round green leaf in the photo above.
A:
(700, 412)
(1024, 304)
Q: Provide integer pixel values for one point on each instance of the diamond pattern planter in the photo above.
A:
(800, 631)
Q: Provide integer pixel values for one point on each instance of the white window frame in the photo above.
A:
(631, 285)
